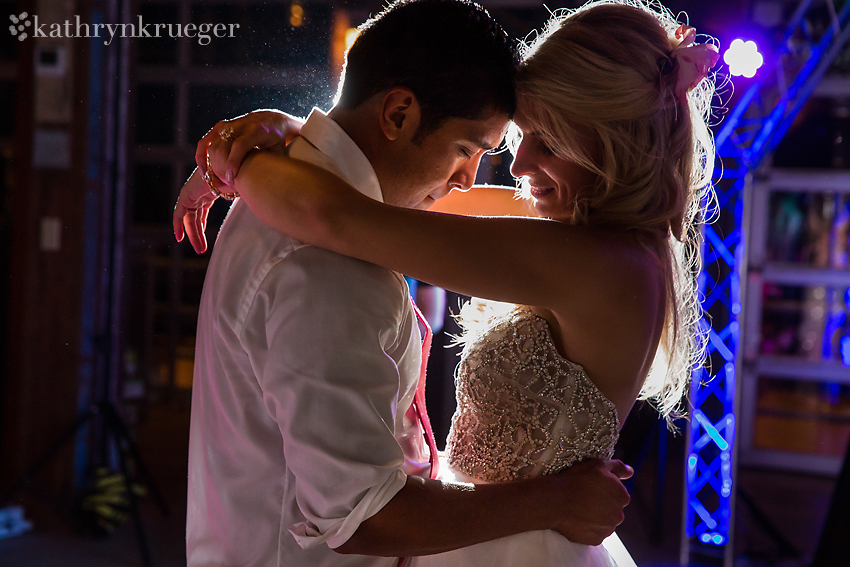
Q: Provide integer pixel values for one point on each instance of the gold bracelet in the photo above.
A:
(208, 177)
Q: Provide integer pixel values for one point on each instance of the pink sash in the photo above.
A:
(418, 405)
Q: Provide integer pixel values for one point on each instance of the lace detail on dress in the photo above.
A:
(524, 410)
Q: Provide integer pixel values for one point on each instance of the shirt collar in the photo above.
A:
(329, 138)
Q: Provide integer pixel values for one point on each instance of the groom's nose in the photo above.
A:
(464, 175)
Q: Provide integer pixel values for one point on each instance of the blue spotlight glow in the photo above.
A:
(743, 58)
(844, 344)
(712, 537)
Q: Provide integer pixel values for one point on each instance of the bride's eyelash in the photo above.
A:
(539, 142)
(544, 147)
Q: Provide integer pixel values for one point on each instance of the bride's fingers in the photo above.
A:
(201, 151)
(218, 152)
(204, 143)
(200, 226)
(195, 222)
(177, 226)
(180, 212)
(255, 136)
(191, 211)
(205, 212)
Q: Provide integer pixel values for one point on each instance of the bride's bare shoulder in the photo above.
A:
(616, 268)
(621, 310)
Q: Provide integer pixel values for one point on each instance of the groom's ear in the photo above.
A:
(399, 114)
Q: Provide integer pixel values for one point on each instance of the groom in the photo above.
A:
(303, 449)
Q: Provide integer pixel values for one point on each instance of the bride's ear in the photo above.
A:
(399, 114)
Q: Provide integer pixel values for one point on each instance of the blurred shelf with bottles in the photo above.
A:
(795, 402)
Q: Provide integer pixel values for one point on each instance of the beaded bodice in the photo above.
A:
(522, 409)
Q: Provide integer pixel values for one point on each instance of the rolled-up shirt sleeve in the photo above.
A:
(331, 385)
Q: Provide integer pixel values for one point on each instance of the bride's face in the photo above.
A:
(553, 181)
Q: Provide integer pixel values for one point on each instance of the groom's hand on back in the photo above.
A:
(592, 498)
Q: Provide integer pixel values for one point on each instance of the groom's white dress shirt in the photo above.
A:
(306, 363)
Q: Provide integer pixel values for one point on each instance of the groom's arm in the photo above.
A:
(584, 503)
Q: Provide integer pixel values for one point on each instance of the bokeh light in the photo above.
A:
(350, 35)
(743, 58)
(296, 15)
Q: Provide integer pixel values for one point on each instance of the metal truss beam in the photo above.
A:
(761, 117)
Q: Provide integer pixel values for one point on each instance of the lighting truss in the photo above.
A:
(761, 117)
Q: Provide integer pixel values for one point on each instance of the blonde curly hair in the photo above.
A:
(608, 69)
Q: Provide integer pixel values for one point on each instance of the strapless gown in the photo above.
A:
(523, 410)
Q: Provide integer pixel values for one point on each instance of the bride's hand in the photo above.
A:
(191, 211)
(229, 141)
(226, 146)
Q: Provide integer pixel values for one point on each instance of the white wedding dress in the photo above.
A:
(524, 410)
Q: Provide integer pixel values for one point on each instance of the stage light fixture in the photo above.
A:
(743, 58)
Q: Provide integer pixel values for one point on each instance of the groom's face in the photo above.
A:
(445, 159)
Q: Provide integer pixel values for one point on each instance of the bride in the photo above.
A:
(593, 305)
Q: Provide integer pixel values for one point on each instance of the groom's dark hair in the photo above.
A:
(455, 58)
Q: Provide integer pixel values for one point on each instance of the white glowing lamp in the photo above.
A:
(350, 35)
(743, 58)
